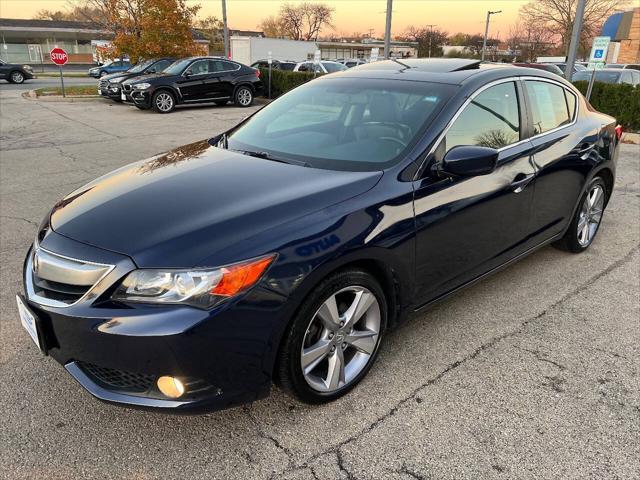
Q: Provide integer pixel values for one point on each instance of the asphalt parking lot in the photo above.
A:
(533, 373)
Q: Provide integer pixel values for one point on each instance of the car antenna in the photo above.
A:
(399, 62)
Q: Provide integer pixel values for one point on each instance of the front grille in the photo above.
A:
(118, 379)
(126, 88)
(56, 280)
(103, 84)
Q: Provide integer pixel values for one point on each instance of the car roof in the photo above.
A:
(454, 71)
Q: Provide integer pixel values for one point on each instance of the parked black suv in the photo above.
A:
(110, 86)
(195, 80)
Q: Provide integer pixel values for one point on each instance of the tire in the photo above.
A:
(221, 103)
(141, 107)
(327, 349)
(587, 219)
(243, 97)
(16, 77)
(163, 101)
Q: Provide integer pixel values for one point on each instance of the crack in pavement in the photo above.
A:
(270, 438)
(336, 449)
(410, 472)
(539, 357)
(30, 222)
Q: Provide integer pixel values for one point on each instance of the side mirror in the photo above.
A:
(151, 70)
(470, 160)
(188, 73)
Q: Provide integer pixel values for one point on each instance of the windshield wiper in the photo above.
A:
(268, 156)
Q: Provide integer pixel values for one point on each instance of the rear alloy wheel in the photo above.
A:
(17, 77)
(334, 339)
(586, 222)
(163, 102)
(243, 97)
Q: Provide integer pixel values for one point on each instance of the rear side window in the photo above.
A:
(492, 119)
(548, 106)
(571, 104)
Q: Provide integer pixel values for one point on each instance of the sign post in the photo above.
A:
(59, 57)
(270, 62)
(597, 60)
(316, 62)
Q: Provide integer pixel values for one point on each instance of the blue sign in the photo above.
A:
(598, 53)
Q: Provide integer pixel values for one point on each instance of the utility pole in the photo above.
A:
(486, 31)
(575, 39)
(387, 31)
(371, 30)
(430, 36)
(227, 49)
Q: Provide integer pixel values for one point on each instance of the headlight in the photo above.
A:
(27, 68)
(198, 288)
(141, 86)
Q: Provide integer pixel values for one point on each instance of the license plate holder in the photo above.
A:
(31, 323)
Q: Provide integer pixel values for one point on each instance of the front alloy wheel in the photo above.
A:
(163, 102)
(335, 337)
(17, 77)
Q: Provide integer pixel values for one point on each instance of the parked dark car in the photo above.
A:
(624, 66)
(277, 64)
(112, 66)
(110, 86)
(610, 75)
(195, 80)
(284, 248)
(577, 67)
(548, 67)
(14, 73)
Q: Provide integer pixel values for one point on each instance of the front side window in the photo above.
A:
(549, 108)
(492, 119)
(344, 124)
(201, 67)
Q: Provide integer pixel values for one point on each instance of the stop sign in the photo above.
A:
(59, 56)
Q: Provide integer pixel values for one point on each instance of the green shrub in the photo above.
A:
(282, 80)
(621, 101)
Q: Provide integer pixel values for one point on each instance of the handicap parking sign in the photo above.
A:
(598, 53)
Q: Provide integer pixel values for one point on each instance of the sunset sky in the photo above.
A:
(349, 16)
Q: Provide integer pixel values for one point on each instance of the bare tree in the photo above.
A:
(272, 27)
(306, 20)
(532, 40)
(430, 41)
(558, 16)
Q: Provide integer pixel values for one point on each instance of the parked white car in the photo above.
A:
(323, 66)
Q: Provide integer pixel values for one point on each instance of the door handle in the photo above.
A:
(521, 181)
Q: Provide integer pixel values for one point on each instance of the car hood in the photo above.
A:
(149, 77)
(184, 206)
(124, 74)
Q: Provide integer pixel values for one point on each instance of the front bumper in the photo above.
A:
(141, 98)
(110, 91)
(117, 352)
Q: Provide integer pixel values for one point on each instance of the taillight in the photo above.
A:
(619, 132)
(258, 73)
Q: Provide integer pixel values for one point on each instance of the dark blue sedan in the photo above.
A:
(284, 249)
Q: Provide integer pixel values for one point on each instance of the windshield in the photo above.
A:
(343, 123)
(333, 67)
(176, 68)
(141, 67)
(604, 77)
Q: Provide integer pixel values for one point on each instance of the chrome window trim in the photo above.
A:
(28, 278)
(492, 84)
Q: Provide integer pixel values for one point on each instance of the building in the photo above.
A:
(624, 30)
(342, 49)
(30, 41)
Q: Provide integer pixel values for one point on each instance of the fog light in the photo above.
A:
(170, 387)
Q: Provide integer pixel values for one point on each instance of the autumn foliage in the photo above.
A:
(151, 28)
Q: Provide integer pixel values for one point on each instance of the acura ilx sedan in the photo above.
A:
(283, 249)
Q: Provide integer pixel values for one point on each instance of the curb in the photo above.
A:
(629, 137)
(31, 95)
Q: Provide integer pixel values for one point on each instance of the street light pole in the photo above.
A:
(430, 36)
(227, 49)
(575, 39)
(387, 31)
(486, 31)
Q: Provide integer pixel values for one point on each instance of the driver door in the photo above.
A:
(192, 86)
(466, 226)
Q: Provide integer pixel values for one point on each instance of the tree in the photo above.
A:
(213, 28)
(305, 20)
(272, 27)
(557, 16)
(531, 40)
(148, 28)
(430, 40)
(74, 12)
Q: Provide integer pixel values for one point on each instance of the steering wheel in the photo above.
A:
(395, 140)
(400, 127)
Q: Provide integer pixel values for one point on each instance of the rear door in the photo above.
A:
(468, 226)
(561, 153)
(222, 79)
